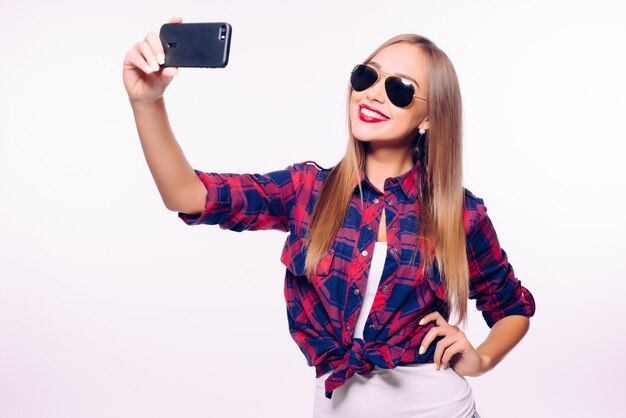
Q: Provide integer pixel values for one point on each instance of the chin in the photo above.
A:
(367, 132)
(363, 136)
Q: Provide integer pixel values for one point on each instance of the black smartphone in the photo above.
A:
(200, 45)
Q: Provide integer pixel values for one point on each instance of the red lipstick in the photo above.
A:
(370, 118)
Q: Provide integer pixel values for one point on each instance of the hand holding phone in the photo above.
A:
(151, 64)
(199, 45)
(144, 80)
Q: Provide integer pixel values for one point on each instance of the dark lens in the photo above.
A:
(399, 93)
(363, 77)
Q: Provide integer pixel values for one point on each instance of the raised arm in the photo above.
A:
(178, 184)
(145, 83)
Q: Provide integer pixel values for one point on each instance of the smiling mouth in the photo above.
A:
(371, 116)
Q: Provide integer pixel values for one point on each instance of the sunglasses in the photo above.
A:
(399, 90)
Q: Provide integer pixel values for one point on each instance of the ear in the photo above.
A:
(425, 124)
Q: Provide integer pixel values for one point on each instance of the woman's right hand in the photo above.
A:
(144, 80)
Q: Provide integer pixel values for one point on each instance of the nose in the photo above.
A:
(377, 91)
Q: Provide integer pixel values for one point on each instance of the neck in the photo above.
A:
(382, 163)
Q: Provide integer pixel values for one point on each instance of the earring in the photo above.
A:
(422, 131)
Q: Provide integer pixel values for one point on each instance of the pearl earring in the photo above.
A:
(422, 131)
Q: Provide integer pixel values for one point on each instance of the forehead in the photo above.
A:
(403, 59)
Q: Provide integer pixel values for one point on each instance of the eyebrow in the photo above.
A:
(377, 65)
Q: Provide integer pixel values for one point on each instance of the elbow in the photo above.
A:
(191, 202)
(171, 206)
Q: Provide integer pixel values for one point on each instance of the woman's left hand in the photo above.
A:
(454, 350)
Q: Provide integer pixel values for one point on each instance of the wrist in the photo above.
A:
(485, 363)
(145, 104)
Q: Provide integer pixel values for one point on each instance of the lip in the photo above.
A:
(368, 119)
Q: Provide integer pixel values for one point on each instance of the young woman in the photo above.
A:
(381, 247)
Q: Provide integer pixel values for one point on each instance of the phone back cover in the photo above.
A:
(196, 44)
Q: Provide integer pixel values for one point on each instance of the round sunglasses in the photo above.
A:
(399, 90)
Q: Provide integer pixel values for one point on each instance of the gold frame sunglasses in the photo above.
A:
(399, 90)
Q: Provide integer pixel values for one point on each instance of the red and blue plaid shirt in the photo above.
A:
(322, 313)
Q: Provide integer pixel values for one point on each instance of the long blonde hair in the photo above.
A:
(441, 192)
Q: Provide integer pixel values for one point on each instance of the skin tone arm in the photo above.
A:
(504, 335)
(456, 351)
(178, 184)
(145, 83)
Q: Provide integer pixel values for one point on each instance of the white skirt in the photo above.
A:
(409, 391)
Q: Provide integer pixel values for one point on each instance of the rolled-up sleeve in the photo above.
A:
(498, 293)
(247, 202)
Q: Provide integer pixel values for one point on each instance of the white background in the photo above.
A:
(110, 306)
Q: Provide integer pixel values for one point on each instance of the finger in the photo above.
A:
(169, 72)
(433, 316)
(154, 41)
(430, 336)
(440, 348)
(176, 19)
(148, 55)
(451, 350)
(426, 318)
(136, 59)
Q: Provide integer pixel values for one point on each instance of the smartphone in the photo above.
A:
(200, 45)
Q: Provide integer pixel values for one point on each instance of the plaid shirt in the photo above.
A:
(322, 313)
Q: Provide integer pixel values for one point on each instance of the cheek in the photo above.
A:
(404, 120)
(353, 107)
(354, 97)
(410, 119)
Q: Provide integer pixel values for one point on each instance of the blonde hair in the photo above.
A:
(440, 195)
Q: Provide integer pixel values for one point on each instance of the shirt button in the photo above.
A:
(369, 227)
(347, 327)
(393, 250)
(390, 202)
(385, 288)
(375, 200)
(356, 291)
(371, 325)
(364, 253)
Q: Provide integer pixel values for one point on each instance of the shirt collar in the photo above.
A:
(408, 181)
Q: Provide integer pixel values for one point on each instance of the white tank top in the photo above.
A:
(416, 390)
(376, 273)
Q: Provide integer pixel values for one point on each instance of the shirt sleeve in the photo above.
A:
(248, 202)
(498, 293)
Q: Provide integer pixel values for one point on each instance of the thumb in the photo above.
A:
(169, 73)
